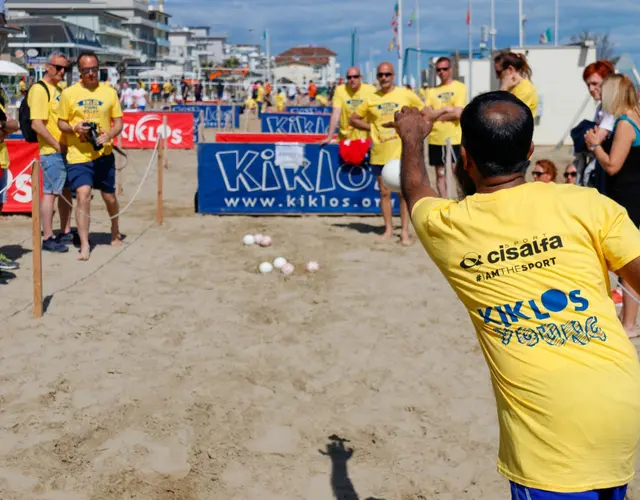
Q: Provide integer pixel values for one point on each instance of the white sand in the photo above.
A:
(172, 370)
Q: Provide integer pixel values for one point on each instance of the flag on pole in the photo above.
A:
(545, 36)
(412, 18)
(264, 35)
(395, 9)
(468, 16)
(392, 44)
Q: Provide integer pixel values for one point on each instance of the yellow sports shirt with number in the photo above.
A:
(530, 264)
(453, 95)
(46, 109)
(79, 104)
(379, 109)
(4, 154)
(527, 93)
(348, 101)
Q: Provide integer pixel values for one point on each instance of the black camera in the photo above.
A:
(93, 134)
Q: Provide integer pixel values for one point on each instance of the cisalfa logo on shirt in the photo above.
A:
(505, 253)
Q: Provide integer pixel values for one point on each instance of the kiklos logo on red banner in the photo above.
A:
(141, 130)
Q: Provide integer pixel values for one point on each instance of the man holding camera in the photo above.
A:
(91, 117)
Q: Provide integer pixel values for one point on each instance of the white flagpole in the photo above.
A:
(400, 44)
(520, 26)
(418, 69)
(470, 89)
(493, 25)
(557, 24)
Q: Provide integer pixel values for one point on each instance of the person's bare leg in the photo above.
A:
(385, 206)
(64, 208)
(111, 202)
(83, 210)
(441, 181)
(629, 310)
(404, 221)
(46, 212)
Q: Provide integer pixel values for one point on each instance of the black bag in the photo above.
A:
(577, 135)
(24, 116)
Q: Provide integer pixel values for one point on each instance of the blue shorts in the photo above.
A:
(141, 108)
(376, 170)
(54, 173)
(4, 178)
(98, 174)
(523, 493)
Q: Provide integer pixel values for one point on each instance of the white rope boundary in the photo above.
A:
(15, 179)
(126, 207)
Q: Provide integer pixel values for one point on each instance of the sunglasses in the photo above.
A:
(380, 75)
(537, 174)
(570, 174)
(58, 67)
(353, 77)
(440, 70)
(93, 69)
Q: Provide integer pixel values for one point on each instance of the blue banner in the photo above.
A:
(309, 110)
(280, 179)
(228, 117)
(289, 123)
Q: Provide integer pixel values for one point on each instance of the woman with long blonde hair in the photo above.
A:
(619, 156)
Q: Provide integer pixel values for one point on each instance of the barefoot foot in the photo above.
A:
(117, 241)
(84, 254)
(385, 236)
(632, 333)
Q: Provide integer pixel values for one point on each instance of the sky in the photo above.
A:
(443, 26)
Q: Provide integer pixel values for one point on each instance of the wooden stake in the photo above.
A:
(37, 240)
(159, 212)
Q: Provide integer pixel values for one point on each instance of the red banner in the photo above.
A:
(141, 130)
(21, 154)
(268, 138)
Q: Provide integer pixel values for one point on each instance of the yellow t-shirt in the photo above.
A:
(251, 103)
(260, 96)
(322, 100)
(442, 96)
(280, 102)
(47, 110)
(348, 101)
(166, 87)
(4, 154)
(62, 85)
(379, 109)
(530, 264)
(423, 93)
(527, 93)
(79, 104)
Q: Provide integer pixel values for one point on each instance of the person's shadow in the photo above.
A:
(340, 482)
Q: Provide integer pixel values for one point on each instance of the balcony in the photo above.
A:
(110, 30)
(128, 53)
(137, 20)
(163, 27)
(161, 42)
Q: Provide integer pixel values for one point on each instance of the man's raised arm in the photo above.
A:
(412, 128)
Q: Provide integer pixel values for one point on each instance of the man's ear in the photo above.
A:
(531, 150)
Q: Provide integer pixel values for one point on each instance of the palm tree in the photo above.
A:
(232, 62)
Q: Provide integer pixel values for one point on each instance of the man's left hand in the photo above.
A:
(103, 139)
(410, 124)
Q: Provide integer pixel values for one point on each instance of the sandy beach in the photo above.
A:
(170, 369)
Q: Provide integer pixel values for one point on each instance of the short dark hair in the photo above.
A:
(443, 59)
(497, 129)
(87, 53)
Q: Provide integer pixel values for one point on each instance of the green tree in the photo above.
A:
(231, 62)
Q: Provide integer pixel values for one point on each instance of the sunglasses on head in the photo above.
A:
(353, 77)
(440, 70)
(380, 75)
(570, 174)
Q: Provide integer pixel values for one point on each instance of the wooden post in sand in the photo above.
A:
(159, 212)
(201, 127)
(37, 240)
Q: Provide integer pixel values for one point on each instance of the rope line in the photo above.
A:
(628, 292)
(126, 207)
(17, 176)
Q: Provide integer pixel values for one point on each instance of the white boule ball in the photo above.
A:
(265, 241)
(258, 238)
(312, 266)
(391, 175)
(265, 267)
(288, 269)
(248, 240)
(279, 262)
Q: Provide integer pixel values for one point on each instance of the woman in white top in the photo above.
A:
(126, 96)
(140, 96)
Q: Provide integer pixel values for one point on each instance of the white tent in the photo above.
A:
(154, 73)
(7, 68)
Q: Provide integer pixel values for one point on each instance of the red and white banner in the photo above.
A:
(141, 130)
(21, 154)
